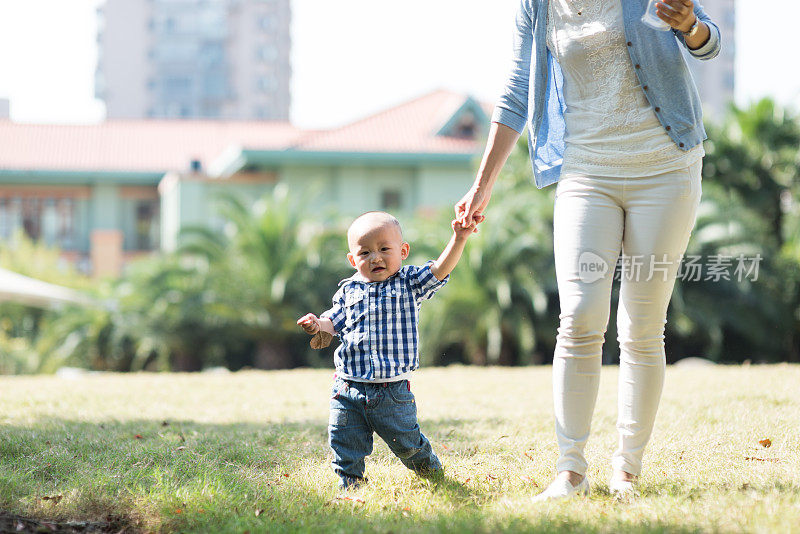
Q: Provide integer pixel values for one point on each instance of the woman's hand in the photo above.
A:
(469, 210)
(679, 14)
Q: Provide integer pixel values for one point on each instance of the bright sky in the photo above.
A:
(352, 57)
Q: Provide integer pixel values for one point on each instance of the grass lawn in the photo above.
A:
(247, 452)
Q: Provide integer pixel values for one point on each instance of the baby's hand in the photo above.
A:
(465, 231)
(310, 323)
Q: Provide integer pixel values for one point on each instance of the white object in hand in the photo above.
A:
(651, 19)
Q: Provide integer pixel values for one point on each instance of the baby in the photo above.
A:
(375, 314)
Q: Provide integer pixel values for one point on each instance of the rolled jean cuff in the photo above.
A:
(621, 464)
(568, 464)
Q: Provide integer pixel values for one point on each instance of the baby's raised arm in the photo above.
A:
(447, 261)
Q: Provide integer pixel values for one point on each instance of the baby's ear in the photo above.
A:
(351, 259)
(405, 249)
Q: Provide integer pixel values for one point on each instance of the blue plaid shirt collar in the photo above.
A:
(377, 322)
(359, 278)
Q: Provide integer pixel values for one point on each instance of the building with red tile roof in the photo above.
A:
(108, 191)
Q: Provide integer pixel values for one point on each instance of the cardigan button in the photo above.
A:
(638, 66)
(630, 43)
(681, 145)
(668, 128)
(644, 87)
(658, 109)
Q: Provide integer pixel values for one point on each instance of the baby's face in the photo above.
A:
(377, 252)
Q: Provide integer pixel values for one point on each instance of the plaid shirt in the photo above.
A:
(377, 322)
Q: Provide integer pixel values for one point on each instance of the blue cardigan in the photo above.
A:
(664, 77)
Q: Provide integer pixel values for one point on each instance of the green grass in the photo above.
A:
(247, 451)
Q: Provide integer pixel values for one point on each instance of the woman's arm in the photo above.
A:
(512, 106)
(502, 140)
(508, 120)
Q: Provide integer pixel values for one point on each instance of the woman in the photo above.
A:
(614, 118)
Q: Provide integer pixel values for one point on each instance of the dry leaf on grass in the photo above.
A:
(766, 443)
(138, 436)
(55, 498)
(762, 459)
(351, 499)
(320, 340)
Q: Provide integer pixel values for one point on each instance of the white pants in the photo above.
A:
(649, 218)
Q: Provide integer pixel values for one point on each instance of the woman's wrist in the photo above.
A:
(687, 29)
(699, 38)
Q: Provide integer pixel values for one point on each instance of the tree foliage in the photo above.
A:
(231, 297)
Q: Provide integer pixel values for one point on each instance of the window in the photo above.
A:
(215, 87)
(266, 22)
(466, 127)
(266, 84)
(391, 199)
(212, 55)
(146, 230)
(51, 220)
(177, 88)
(267, 52)
(32, 217)
(262, 112)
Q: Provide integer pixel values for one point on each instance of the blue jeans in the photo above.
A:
(360, 408)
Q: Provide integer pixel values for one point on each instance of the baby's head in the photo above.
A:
(377, 249)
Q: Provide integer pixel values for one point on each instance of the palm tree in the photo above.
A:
(272, 266)
(500, 306)
(751, 178)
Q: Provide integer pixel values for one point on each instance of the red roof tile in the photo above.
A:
(408, 127)
(170, 145)
(131, 145)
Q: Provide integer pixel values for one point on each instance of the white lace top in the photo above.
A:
(611, 128)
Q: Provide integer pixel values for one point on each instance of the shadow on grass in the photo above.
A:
(146, 475)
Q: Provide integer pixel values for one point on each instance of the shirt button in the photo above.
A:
(374, 306)
(668, 128)
(630, 43)
(638, 66)
(645, 88)
(681, 145)
(394, 292)
(658, 109)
